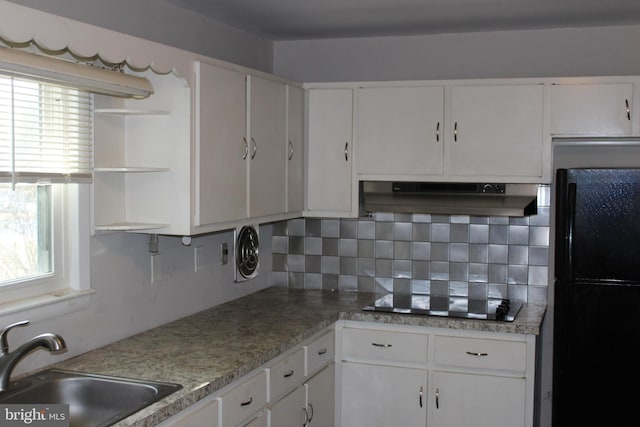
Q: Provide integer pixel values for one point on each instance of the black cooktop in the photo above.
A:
(501, 309)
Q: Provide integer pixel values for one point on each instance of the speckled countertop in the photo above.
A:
(208, 350)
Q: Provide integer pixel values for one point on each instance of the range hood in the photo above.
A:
(485, 199)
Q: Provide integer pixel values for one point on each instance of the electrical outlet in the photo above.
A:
(156, 269)
(224, 254)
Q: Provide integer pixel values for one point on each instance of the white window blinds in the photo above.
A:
(45, 132)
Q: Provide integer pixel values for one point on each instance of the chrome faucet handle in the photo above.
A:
(4, 344)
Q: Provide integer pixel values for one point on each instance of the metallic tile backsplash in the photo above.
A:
(443, 255)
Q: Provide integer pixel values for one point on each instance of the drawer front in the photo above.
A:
(320, 352)
(385, 346)
(480, 353)
(245, 399)
(286, 374)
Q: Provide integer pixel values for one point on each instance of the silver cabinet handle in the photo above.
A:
(247, 403)
(254, 148)
(306, 417)
(438, 132)
(288, 374)
(478, 354)
(290, 150)
(420, 397)
(346, 151)
(311, 409)
(437, 398)
(375, 344)
(246, 149)
(626, 101)
(455, 131)
(322, 351)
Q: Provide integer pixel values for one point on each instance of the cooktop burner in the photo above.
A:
(461, 307)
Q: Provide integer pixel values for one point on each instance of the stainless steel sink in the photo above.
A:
(94, 400)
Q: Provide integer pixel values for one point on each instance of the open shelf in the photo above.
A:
(129, 226)
(131, 169)
(130, 112)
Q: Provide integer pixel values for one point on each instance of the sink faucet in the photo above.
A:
(9, 360)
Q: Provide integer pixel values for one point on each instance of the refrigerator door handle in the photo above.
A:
(571, 208)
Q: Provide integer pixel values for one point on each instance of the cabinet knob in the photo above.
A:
(247, 403)
(290, 150)
(420, 397)
(438, 132)
(455, 131)
(346, 151)
(288, 374)
(437, 398)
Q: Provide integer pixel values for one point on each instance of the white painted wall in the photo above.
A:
(164, 23)
(125, 301)
(531, 53)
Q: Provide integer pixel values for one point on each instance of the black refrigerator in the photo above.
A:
(596, 360)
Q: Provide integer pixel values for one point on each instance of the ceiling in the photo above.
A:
(313, 19)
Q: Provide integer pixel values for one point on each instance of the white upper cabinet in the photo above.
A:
(592, 109)
(241, 146)
(222, 149)
(267, 153)
(452, 132)
(400, 130)
(330, 152)
(496, 131)
(295, 149)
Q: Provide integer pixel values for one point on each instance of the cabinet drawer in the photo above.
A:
(286, 374)
(480, 353)
(245, 399)
(387, 346)
(320, 352)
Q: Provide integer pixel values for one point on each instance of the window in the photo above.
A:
(45, 155)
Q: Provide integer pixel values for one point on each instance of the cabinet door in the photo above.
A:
(267, 147)
(459, 400)
(295, 149)
(201, 414)
(321, 398)
(382, 396)
(330, 149)
(221, 147)
(400, 130)
(290, 410)
(260, 420)
(591, 109)
(496, 131)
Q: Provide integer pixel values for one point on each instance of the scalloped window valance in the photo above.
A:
(77, 75)
(22, 27)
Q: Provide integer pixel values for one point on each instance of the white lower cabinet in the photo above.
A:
(395, 375)
(320, 390)
(260, 420)
(290, 411)
(383, 375)
(464, 399)
(201, 414)
(382, 396)
(243, 400)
